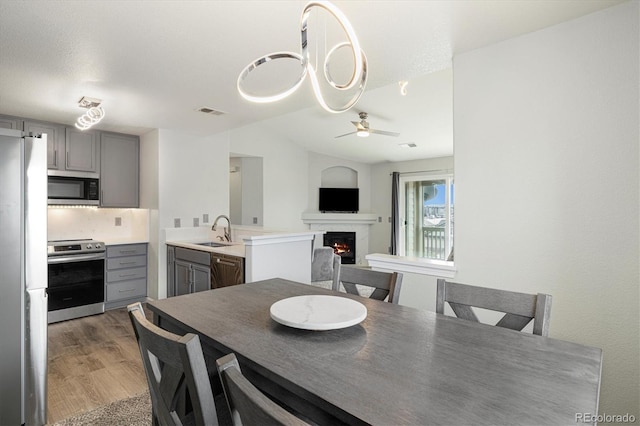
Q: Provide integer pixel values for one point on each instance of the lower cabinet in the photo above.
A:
(190, 271)
(125, 275)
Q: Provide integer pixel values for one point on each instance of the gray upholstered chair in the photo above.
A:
(171, 364)
(519, 308)
(249, 406)
(325, 265)
(385, 285)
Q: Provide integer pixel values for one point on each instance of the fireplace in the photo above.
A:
(344, 245)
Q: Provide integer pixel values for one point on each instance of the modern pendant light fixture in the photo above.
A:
(358, 78)
(94, 114)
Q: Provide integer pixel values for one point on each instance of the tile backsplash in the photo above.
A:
(100, 224)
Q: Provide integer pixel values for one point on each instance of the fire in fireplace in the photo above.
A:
(344, 245)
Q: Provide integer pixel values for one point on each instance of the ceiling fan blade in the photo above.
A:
(382, 132)
(358, 125)
(346, 134)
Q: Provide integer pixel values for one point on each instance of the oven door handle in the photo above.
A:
(75, 258)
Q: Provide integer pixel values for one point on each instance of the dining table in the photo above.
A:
(398, 366)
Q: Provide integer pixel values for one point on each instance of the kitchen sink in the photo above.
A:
(213, 244)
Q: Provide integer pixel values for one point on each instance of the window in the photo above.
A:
(426, 216)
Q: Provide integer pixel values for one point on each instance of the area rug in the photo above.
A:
(133, 411)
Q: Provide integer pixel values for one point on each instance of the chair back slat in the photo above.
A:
(173, 364)
(492, 299)
(519, 308)
(463, 311)
(513, 321)
(386, 285)
(247, 404)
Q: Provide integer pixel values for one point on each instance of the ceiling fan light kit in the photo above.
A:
(363, 129)
(358, 78)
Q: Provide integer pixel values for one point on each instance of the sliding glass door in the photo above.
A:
(426, 216)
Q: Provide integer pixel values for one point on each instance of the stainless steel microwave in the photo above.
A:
(71, 189)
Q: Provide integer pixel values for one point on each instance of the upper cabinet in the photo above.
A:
(119, 170)
(55, 140)
(7, 122)
(114, 157)
(81, 150)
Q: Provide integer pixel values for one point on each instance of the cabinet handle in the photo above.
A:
(126, 291)
(127, 275)
(66, 159)
(127, 263)
(222, 262)
(127, 251)
(55, 157)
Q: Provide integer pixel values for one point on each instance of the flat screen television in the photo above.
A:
(342, 200)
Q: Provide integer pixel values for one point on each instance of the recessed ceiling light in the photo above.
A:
(407, 145)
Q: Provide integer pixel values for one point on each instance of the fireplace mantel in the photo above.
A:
(340, 218)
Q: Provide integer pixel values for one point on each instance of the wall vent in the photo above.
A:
(211, 111)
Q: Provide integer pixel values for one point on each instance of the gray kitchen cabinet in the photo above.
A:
(119, 170)
(81, 150)
(125, 275)
(181, 278)
(8, 122)
(188, 271)
(201, 277)
(55, 140)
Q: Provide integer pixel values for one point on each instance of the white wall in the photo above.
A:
(246, 191)
(546, 165)
(190, 178)
(149, 176)
(194, 177)
(235, 191)
(320, 162)
(252, 191)
(285, 168)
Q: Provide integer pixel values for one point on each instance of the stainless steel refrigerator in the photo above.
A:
(23, 279)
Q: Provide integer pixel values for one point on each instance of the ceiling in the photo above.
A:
(154, 63)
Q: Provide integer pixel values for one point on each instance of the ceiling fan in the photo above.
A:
(363, 130)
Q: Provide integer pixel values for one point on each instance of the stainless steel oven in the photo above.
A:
(76, 279)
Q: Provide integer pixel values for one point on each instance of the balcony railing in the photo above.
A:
(434, 243)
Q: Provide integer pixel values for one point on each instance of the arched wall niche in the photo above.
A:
(339, 177)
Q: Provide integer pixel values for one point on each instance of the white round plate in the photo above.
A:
(318, 312)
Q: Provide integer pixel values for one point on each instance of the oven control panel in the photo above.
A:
(74, 247)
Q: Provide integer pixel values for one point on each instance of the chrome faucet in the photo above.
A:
(227, 230)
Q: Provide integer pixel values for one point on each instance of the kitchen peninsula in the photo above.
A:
(197, 260)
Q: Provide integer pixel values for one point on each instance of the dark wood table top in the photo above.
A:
(400, 365)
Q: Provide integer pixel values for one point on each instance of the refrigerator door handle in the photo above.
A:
(36, 352)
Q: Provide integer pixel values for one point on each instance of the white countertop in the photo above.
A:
(232, 249)
(119, 241)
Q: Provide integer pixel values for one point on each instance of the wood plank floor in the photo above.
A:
(92, 361)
